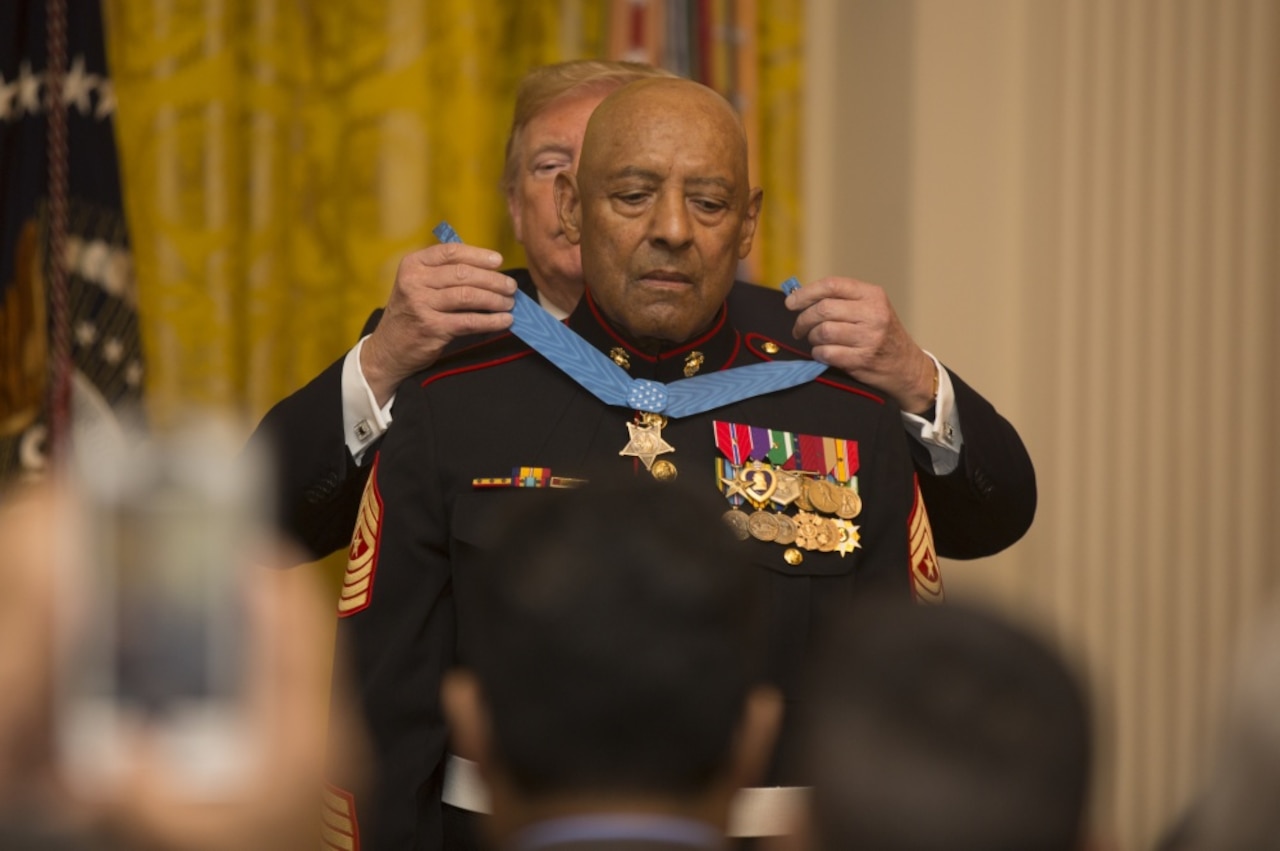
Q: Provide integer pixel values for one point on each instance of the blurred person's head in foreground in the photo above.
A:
(617, 671)
(1235, 810)
(943, 729)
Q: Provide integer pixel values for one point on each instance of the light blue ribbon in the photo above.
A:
(609, 383)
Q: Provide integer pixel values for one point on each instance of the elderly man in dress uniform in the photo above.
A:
(651, 375)
(974, 471)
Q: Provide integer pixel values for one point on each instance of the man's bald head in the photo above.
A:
(663, 106)
(662, 207)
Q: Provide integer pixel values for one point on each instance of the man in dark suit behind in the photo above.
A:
(976, 477)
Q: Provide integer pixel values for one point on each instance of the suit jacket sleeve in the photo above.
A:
(318, 484)
(988, 502)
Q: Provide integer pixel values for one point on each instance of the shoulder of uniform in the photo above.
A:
(763, 311)
(485, 353)
(837, 379)
(770, 349)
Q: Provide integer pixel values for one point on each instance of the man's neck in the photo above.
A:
(552, 307)
(558, 298)
(653, 346)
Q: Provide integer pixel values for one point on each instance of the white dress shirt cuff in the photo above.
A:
(941, 436)
(363, 421)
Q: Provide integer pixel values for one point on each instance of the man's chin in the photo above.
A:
(651, 334)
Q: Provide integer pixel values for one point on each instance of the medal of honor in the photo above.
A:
(646, 441)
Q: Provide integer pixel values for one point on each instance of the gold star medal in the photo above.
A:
(646, 441)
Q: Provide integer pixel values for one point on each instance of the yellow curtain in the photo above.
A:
(279, 157)
(780, 67)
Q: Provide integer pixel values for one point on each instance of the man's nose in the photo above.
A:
(671, 225)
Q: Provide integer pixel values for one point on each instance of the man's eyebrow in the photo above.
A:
(634, 171)
(719, 182)
(630, 171)
(552, 148)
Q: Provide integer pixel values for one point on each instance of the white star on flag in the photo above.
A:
(28, 89)
(106, 99)
(77, 86)
(8, 91)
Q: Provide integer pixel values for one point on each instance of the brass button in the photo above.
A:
(619, 356)
(664, 471)
(771, 347)
(793, 556)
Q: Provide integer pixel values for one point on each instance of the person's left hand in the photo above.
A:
(851, 326)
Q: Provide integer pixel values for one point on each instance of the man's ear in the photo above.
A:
(750, 221)
(757, 732)
(468, 717)
(569, 206)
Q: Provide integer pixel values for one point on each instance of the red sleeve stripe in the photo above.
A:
(475, 367)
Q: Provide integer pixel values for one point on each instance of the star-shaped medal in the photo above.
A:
(850, 538)
(736, 487)
(646, 442)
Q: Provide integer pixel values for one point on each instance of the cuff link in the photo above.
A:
(363, 431)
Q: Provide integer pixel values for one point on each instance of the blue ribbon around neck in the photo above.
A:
(609, 383)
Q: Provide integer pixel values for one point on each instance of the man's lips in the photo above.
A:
(666, 276)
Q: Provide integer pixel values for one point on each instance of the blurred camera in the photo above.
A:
(152, 643)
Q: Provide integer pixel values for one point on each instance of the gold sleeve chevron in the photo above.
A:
(338, 828)
(926, 577)
(362, 556)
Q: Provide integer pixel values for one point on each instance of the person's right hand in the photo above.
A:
(441, 293)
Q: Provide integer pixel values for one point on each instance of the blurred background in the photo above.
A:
(1075, 204)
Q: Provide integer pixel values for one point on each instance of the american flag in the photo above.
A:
(106, 364)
